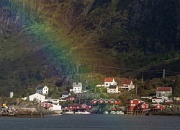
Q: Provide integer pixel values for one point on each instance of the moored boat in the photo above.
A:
(120, 112)
(82, 112)
(68, 112)
(105, 112)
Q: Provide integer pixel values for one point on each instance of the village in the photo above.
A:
(79, 101)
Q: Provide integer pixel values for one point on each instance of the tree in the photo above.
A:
(176, 89)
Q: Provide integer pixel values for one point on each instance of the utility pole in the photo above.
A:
(77, 71)
(136, 89)
(164, 73)
(142, 80)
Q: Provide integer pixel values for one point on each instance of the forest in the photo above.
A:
(56, 42)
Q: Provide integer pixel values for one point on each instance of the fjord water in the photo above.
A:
(92, 122)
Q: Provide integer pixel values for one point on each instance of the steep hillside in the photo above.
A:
(50, 39)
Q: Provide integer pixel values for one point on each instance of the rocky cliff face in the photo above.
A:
(119, 33)
(157, 24)
(151, 24)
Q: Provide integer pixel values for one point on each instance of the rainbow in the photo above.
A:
(53, 38)
(53, 41)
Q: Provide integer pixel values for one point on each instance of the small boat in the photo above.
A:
(112, 112)
(68, 112)
(120, 112)
(57, 112)
(105, 112)
(82, 112)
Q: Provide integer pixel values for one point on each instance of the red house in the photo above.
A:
(111, 101)
(85, 106)
(46, 104)
(94, 101)
(117, 102)
(106, 101)
(158, 107)
(101, 101)
(74, 107)
(136, 104)
(70, 98)
(144, 106)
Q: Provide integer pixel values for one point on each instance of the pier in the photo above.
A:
(20, 112)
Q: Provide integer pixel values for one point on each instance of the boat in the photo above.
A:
(105, 112)
(57, 111)
(68, 112)
(112, 112)
(117, 112)
(82, 112)
(120, 112)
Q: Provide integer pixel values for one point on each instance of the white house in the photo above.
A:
(163, 91)
(36, 97)
(42, 90)
(65, 94)
(112, 89)
(109, 81)
(127, 84)
(57, 109)
(77, 87)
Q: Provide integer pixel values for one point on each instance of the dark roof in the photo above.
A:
(40, 87)
(65, 93)
(77, 84)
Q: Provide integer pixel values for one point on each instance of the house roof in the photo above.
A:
(40, 87)
(164, 89)
(70, 97)
(126, 81)
(65, 93)
(108, 79)
(36, 94)
(77, 84)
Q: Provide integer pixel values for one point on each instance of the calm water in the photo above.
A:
(92, 122)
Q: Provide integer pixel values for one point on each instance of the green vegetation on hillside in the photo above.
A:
(46, 40)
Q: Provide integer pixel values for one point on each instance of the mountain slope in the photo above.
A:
(47, 39)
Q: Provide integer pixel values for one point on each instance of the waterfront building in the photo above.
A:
(157, 107)
(36, 97)
(137, 105)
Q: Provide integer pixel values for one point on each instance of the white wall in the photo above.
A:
(37, 97)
